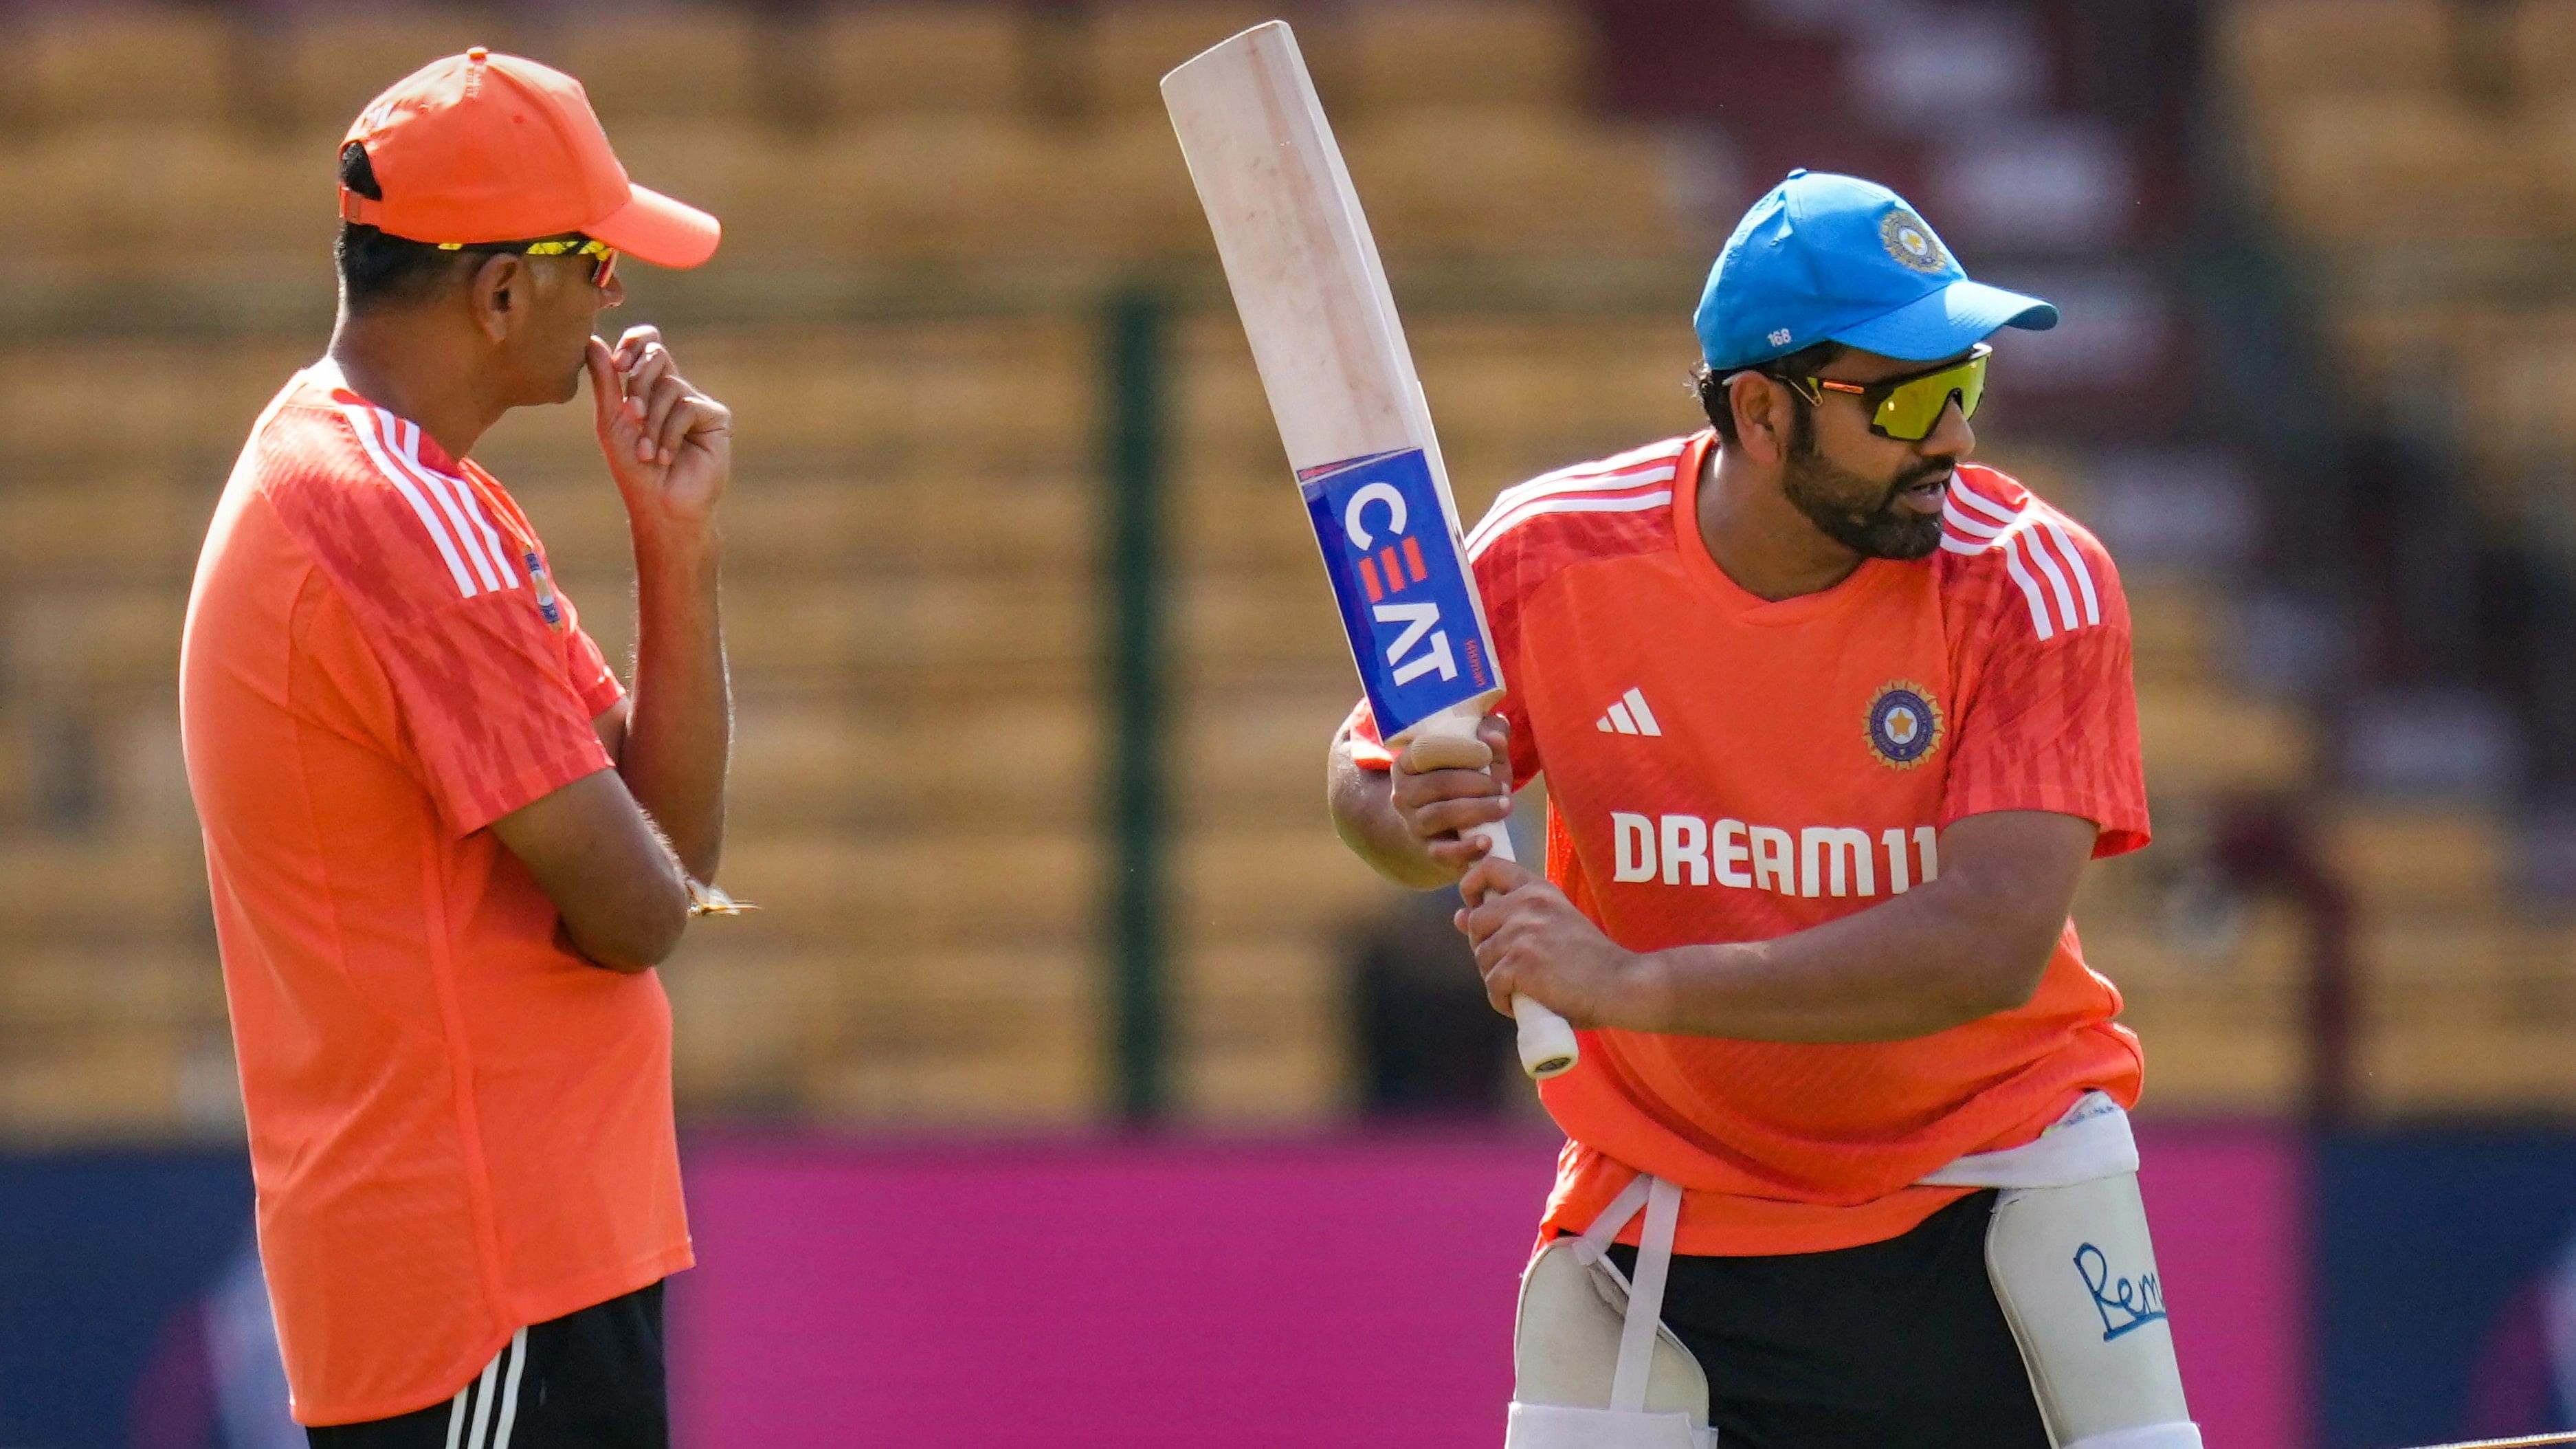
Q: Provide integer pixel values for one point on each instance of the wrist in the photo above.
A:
(673, 543)
(1645, 998)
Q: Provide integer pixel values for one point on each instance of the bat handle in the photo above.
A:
(1547, 1043)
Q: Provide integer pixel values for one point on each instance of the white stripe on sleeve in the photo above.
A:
(1496, 528)
(1959, 519)
(2028, 541)
(473, 506)
(2030, 592)
(2075, 563)
(1978, 501)
(407, 455)
(362, 422)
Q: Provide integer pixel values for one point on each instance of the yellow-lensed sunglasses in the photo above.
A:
(603, 257)
(1909, 408)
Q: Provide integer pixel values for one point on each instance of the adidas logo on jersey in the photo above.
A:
(1629, 717)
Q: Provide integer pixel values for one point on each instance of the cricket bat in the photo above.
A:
(1314, 301)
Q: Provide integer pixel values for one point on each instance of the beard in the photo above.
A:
(1857, 512)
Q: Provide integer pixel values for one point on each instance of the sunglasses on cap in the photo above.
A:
(603, 257)
(1909, 408)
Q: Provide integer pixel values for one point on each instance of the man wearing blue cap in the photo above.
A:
(1832, 720)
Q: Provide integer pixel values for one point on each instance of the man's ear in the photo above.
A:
(499, 290)
(1761, 415)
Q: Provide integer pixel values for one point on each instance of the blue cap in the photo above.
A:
(1828, 258)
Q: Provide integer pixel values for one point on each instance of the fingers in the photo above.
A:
(665, 399)
(1495, 732)
(695, 416)
(1492, 878)
(1411, 792)
(632, 342)
(605, 393)
(677, 424)
(1439, 807)
(1447, 752)
(1474, 887)
(642, 372)
(1448, 819)
(1498, 960)
(1454, 854)
(665, 409)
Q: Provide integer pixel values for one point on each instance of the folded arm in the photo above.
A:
(614, 880)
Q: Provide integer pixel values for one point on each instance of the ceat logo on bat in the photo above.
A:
(1408, 604)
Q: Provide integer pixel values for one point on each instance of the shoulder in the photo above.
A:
(1606, 508)
(2006, 549)
(399, 535)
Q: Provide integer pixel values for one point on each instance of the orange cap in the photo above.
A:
(481, 148)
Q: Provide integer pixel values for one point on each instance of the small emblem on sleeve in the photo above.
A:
(1904, 724)
(545, 587)
(1911, 243)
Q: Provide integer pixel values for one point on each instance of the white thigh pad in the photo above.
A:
(1565, 1355)
(2076, 1275)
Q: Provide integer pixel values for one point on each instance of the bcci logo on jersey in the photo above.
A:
(1407, 605)
(1903, 725)
(547, 607)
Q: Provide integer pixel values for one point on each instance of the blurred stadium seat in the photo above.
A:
(2360, 170)
(923, 59)
(1459, 54)
(324, 66)
(1120, 53)
(145, 64)
(638, 61)
(2541, 39)
(942, 188)
(1467, 182)
(2281, 49)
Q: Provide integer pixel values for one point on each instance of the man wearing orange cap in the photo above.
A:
(447, 847)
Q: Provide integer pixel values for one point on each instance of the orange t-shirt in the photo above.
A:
(457, 1127)
(1723, 768)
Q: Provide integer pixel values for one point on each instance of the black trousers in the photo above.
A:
(1893, 1345)
(588, 1380)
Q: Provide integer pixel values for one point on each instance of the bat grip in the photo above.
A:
(1547, 1041)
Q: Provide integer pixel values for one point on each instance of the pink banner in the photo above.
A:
(1353, 1291)
(2228, 1206)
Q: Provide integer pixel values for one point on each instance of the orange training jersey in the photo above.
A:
(1722, 768)
(457, 1127)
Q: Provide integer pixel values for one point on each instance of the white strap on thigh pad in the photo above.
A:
(2072, 1267)
(1593, 1365)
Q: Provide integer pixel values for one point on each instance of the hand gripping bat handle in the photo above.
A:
(1547, 1040)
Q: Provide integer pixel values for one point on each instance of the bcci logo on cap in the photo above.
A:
(1911, 243)
(1904, 725)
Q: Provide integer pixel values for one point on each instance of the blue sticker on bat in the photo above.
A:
(1401, 580)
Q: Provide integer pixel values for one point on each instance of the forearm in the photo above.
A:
(680, 732)
(1364, 815)
(1923, 962)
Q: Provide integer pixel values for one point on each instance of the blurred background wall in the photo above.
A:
(1034, 675)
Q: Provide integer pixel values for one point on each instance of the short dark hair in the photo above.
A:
(378, 269)
(1710, 384)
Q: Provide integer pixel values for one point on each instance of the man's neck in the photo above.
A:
(410, 367)
(1758, 537)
